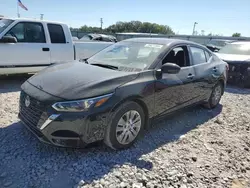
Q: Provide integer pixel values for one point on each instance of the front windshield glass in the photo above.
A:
(126, 54)
(239, 49)
(4, 23)
(218, 42)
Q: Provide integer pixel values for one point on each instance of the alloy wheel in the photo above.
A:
(216, 96)
(128, 127)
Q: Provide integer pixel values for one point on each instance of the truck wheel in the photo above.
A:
(127, 123)
(215, 96)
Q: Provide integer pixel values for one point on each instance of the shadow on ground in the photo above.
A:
(237, 90)
(12, 83)
(29, 163)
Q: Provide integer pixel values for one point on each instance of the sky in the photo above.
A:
(223, 17)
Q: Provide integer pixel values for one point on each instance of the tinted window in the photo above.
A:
(178, 55)
(28, 32)
(56, 33)
(106, 39)
(198, 55)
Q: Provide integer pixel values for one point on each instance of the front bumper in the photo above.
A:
(239, 74)
(74, 130)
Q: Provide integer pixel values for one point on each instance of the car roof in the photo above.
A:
(241, 42)
(163, 41)
(34, 20)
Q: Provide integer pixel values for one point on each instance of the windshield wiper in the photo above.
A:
(105, 66)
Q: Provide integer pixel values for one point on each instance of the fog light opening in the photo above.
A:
(65, 133)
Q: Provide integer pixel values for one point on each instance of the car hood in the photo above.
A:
(78, 80)
(233, 57)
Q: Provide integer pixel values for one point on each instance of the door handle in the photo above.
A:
(215, 69)
(45, 49)
(190, 76)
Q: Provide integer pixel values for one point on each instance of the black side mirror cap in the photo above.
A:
(170, 68)
(8, 39)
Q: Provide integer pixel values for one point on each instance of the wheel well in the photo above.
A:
(223, 85)
(141, 103)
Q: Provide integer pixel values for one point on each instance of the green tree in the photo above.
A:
(140, 27)
(89, 29)
(236, 35)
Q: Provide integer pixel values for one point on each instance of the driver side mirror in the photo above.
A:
(8, 39)
(170, 68)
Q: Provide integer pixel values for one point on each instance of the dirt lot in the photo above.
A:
(195, 148)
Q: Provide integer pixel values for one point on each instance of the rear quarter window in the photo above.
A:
(56, 33)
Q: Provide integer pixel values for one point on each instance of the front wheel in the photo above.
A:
(126, 124)
(215, 96)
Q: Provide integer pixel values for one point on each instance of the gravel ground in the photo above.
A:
(195, 148)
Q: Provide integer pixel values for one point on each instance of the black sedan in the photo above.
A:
(116, 94)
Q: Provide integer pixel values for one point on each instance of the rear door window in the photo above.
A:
(56, 33)
(208, 55)
(198, 55)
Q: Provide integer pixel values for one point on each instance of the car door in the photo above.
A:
(205, 70)
(61, 45)
(175, 91)
(31, 48)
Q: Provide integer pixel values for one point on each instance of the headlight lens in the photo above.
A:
(81, 105)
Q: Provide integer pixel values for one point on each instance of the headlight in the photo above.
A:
(81, 105)
(248, 69)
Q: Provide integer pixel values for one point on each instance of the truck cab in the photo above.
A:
(28, 45)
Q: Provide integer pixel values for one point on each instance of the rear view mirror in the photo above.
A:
(170, 68)
(8, 39)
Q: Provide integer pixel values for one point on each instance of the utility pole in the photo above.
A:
(17, 10)
(41, 16)
(101, 21)
(195, 23)
(202, 32)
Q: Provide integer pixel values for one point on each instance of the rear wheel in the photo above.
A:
(215, 96)
(126, 124)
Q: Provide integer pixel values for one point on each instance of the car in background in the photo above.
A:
(116, 93)
(28, 45)
(237, 55)
(75, 38)
(99, 37)
(216, 44)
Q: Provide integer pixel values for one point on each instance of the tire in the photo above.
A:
(119, 130)
(215, 97)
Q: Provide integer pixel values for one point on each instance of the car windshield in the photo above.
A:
(4, 23)
(218, 42)
(86, 37)
(128, 54)
(239, 49)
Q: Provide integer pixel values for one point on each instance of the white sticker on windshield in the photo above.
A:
(2, 24)
(153, 45)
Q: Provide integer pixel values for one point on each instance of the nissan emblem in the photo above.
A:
(27, 101)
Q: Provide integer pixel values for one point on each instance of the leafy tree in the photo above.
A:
(140, 27)
(89, 29)
(132, 26)
(236, 35)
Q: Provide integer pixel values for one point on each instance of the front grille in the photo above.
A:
(234, 68)
(33, 115)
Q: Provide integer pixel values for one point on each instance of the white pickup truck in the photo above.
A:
(27, 45)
